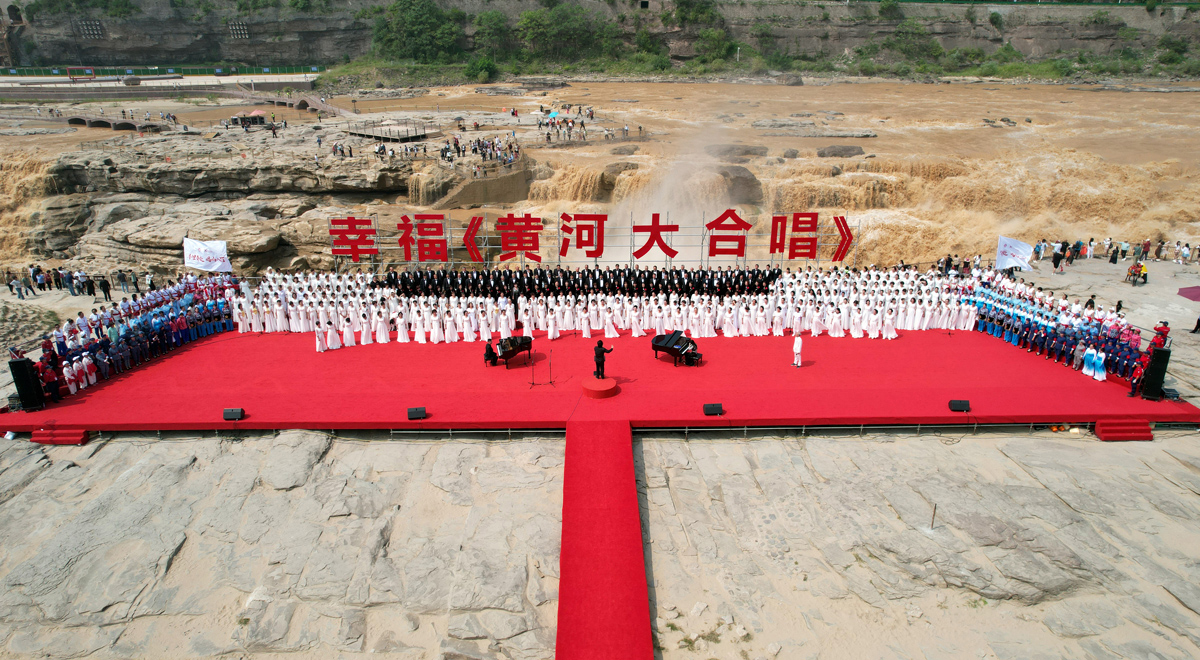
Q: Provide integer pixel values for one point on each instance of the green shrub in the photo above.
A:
(568, 32)
(762, 35)
(713, 44)
(869, 49)
(890, 9)
(1102, 18)
(417, 30)
(970, 15)
(481, 69)
(646, 42)
(1006, 54)
(996, 20)
(912, 41)
(961, 58)
(1173, 44)
(1151, 5)
(1170, 57)
(696, 12)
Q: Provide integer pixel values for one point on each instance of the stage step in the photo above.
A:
(1118, 430)
(60, 436)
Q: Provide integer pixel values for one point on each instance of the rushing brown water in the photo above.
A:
(1069, 164)
(23, 181)
(937, 178)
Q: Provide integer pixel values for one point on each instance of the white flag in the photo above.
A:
(1012, 252)
(206, 255)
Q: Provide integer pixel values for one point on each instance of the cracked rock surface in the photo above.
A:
(292, 543)
(303, 545)
(1042, 547)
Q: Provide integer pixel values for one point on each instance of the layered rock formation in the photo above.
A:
(186, 31)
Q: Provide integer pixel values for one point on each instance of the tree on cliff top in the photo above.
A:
(417, 30)
(568, 32)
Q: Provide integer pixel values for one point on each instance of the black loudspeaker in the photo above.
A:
(416, 413)
(234, 414)
(1155, 373)
(29, 387)
(711, 409)
(960, 405)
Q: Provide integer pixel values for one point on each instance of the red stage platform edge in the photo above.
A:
(603, 606)
(283, 383)
(600, 388)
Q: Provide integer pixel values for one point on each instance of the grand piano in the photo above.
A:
(510, 347)
(679, 346)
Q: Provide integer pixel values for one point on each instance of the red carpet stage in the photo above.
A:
(603, 610)
(282, 382)
(603, 607)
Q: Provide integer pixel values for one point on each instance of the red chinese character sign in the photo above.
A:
(724, 241)
(656, 230)
(432, 237)
(430, 241)
(352, 237)
(469, 238)
(588, 231)
(846, 238)
(798, 247)
(519, 234)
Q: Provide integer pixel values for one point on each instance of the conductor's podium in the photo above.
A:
(600, 388)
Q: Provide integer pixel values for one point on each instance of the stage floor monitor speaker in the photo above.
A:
(234, 414)
(960, 405)
(713, 409)
(416, 413)
(29, 386)
(1156, 373)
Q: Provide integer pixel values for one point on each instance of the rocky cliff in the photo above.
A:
(134, 202)
(179, 31)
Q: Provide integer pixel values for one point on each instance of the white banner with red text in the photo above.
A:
(1012, 253)
(206, 255)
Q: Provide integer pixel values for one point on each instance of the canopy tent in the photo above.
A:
(1191, 293)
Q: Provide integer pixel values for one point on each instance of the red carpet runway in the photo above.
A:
(282, 382)
(603, 606)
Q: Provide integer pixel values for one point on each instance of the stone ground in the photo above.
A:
(295, 543)
(305, 546)
(804, 548)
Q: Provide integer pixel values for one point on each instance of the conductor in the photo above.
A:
(600, 352)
